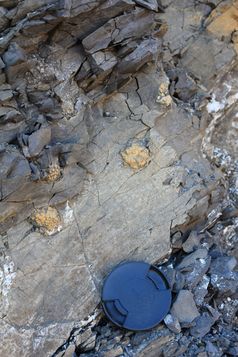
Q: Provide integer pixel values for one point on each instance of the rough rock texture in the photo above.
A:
(104, 107)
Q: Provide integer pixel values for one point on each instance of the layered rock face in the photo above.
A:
(104, 106)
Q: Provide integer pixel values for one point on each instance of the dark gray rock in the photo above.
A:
(183, 86)
(8, 3)
(201, 290)
(14, 170)
(233, 351)
(148, 4)
(9, 114)
(144, 53)
(179, 282)
(184, 342)
(133, 25)
(229, 308)
(203, 324)
(189, 260)
(171, 349)
(3, 18)
(211, 349)
(223, 265)
(200, 268)
(5, 92)
(38, 140)
(2, 64)
(169, 273)
(223, 278)
(14, 55)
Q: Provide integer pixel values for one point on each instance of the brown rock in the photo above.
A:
(225, 24)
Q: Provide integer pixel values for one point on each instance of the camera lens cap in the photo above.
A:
(136, 296)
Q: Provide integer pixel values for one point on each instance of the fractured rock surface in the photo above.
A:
(103, 108)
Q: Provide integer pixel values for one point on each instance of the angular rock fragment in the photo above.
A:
(9, 114)
(130, 26)
(170, 274)
(184, 308)
(145, 52)
(183, 86)
(205, 50)
(179, 282)
(201, 290)
(14, 170)
(14, 55)
(177, 240)
(203, 324)
(149, 4)
(223, 278)
(172, 323)
(5, 93)
(190, 259)
(115, 352)
(191, 242)
(194, 271)
(38, 140)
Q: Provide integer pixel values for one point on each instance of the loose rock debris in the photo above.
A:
(118, 126)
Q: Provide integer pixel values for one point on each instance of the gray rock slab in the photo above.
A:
(38, 140)
(184, 308)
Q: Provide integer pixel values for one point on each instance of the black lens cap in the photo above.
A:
(136, 296)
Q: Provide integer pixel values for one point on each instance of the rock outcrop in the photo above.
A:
(103, 111)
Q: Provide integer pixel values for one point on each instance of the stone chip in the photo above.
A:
(184, 308)
(38, 140)
(14, 55)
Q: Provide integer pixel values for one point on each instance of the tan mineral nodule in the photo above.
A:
(47, 220)
(53, 174)
(136, 156)
(163, 88)
(163, 96)
(165, 100)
